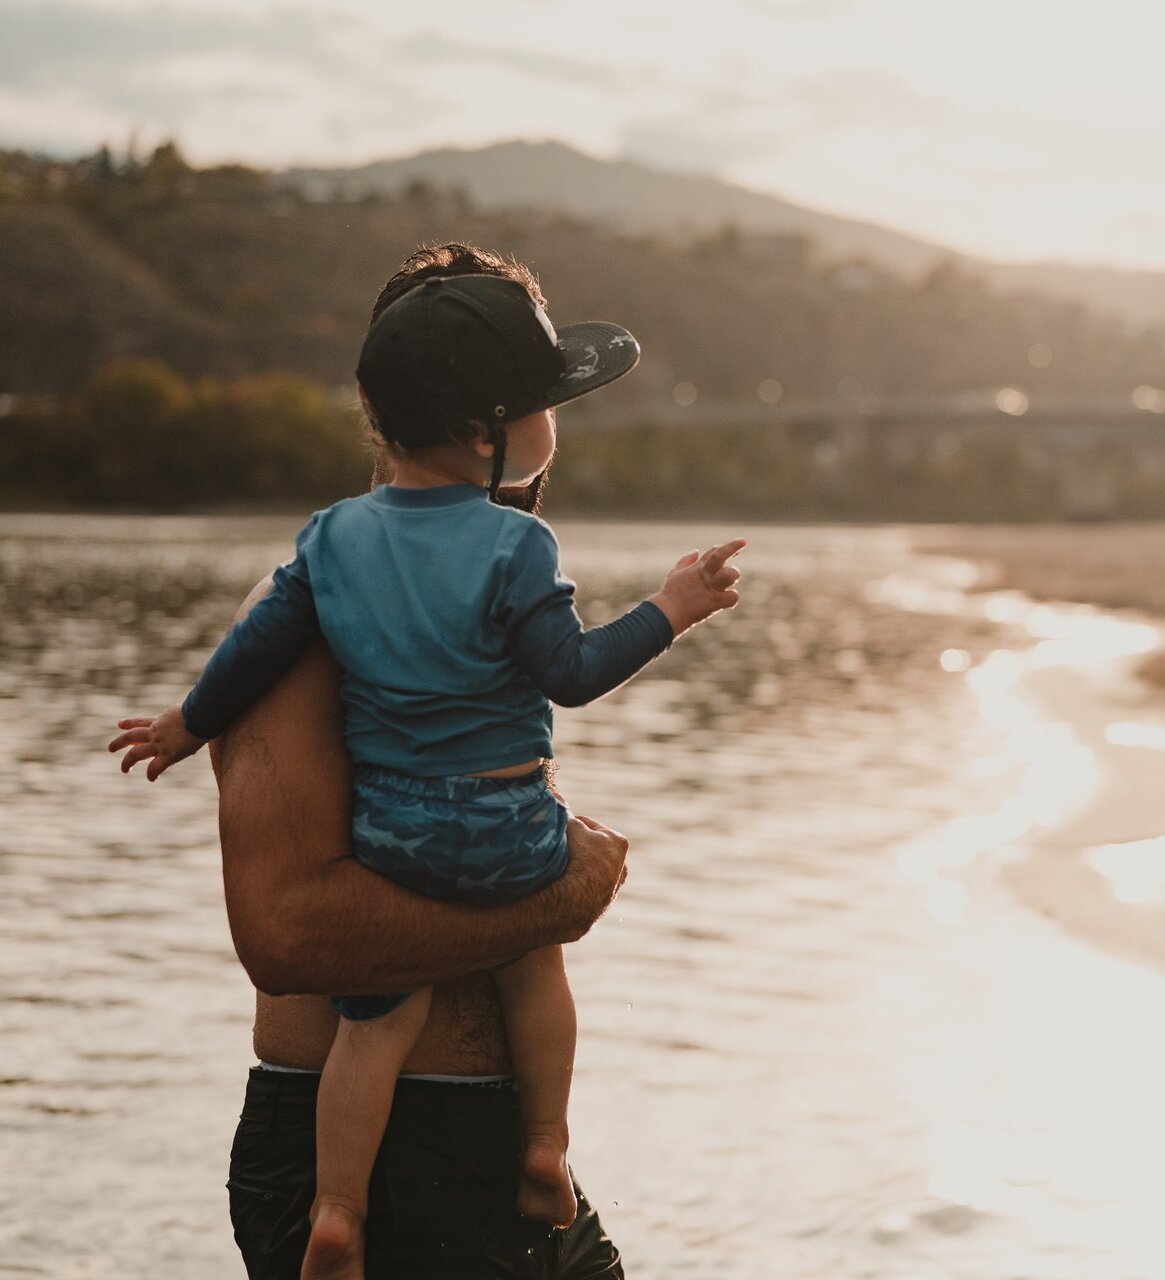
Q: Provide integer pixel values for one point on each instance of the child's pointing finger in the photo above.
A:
(714, 562)
(715, 558)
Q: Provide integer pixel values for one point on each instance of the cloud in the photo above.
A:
(50, 42)
(1000, 144)
(735, 123)
(865, 99)
(329, 73)
(711, 135)
(436, 50)
(261, 83)
(741, 125)
(801, 10)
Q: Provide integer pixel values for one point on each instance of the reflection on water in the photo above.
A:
(1126, 734)
(817, 1039)
(1135, 869)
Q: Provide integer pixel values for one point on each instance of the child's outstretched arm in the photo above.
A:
(699, 586)
(162, 740)
(573, 665)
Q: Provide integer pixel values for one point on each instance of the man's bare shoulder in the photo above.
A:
(256, 593)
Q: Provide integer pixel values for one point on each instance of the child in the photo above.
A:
(454, 629)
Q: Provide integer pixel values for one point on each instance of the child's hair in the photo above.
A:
(456, 259)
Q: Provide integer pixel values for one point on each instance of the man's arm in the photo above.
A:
(306, 917)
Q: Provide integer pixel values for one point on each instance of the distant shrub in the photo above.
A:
(139, 434)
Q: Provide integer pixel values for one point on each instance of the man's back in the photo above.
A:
(442, 1195)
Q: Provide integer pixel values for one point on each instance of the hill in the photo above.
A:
(229, 271)
(639, 200)
(620, 194)
(75, 293)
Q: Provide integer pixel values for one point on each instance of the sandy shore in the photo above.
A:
(1113, 566)
(1101, 872)
(1119, 566)
(1099, 869)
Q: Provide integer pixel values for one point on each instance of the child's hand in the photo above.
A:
(163, 740)
(699, 586)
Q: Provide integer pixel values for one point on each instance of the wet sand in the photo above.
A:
(1100, 871)
(1112, 566)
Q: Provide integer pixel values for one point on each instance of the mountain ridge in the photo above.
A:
(633, 197)
(228, 271)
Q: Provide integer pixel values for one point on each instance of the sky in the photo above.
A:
(1012, 129)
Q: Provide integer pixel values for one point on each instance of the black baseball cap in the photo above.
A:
(478, 347)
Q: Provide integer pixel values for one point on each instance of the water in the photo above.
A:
(819, 1035)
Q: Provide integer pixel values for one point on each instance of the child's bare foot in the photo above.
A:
(336, 1248)
(545, 1191)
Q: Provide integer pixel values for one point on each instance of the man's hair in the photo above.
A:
(457, 259)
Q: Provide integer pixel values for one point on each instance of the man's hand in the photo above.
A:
(163, 740)
(597, 869)
(699, 586)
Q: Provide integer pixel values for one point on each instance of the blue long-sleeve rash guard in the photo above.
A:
(453, 624)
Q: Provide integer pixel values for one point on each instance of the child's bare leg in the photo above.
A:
(355, 1099)
(540, 1027)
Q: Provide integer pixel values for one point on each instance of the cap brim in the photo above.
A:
(594, 353)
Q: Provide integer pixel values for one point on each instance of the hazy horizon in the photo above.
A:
(1014, 135)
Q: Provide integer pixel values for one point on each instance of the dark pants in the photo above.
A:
(441, 1197)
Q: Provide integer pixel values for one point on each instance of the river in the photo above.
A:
(829, 1029)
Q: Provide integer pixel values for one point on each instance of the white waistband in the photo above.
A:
(436, 1079)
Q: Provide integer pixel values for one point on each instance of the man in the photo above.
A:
(307, 918)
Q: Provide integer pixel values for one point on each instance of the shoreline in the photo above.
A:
(1099, 872)
(1117, 568)
(1096, 866)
